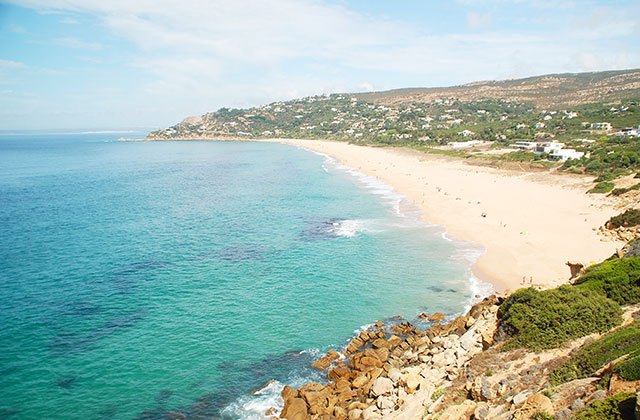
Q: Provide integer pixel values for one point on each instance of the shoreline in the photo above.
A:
(529, 223)
(533, 223)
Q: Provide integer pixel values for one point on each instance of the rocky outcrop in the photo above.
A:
(449, 371)
(395, 372)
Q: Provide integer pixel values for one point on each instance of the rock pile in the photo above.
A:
(397, 372)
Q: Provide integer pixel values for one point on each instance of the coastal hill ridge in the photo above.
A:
(551, 90)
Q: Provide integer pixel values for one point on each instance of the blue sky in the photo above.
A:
(79, 64)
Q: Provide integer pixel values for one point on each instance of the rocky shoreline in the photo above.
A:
(449, 371)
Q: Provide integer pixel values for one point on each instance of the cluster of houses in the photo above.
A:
(554, 149)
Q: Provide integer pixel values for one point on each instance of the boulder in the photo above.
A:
(520, 398)
(482, 389)
(371, 413)
(577, 405)
(295, 409)
(374, 373)
(383, 354)
(379, 343)
(360, 381)
(354, 346)
(394, 374)
(438, 316)
(338, 372)
(394, 341)
(355, 414)
(382, 386)
(537, 403)
(468, 340)
(288, 392)
(385, 402)
(325, 361)
(412, 382)
(461, 411)
(564, 414)
(339, 413)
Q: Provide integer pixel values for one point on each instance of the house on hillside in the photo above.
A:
(549, 147)
(466, 133)
(601, 126)
(524, 145)
(565, 154)
(540, 125)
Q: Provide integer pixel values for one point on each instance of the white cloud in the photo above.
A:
(198, 55)
(478, 20)
(11, 65)
(71, 42)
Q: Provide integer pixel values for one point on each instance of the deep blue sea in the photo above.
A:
(141, 279)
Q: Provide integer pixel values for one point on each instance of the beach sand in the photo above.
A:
(530, 224)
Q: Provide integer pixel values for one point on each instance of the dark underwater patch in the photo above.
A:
(241, 253)
(66, 382)
(74, 343)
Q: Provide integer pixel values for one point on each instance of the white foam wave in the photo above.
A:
(479, 290)
(446, 238)
(256, 406)
(348, 228)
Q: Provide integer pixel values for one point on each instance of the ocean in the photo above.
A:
(158, 279)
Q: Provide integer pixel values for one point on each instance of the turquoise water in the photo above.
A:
(139, 279)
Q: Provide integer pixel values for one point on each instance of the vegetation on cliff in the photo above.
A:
(594, 356)
(616, 278)
(616, 407)
(629, 218)
(545, 319)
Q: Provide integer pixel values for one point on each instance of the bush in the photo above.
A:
(618, 279)
(620, 191)
(602, 187)
(629, 218)
(544, 319)
(629, 370)
(616, 407)
(595, 355)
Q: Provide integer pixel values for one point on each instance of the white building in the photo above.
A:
(466, 133)
(524, 145)
(601, 126)
(549, 147)
(566, 154)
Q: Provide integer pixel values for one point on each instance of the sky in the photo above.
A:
(108, 64)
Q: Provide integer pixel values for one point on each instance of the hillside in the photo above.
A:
(490, 111)
(550, 91)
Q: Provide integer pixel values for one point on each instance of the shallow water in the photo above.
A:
(144, 278)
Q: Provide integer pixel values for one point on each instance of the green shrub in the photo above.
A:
(629, 370)
(593, 356)
(618, 279)
(620, 191)
(602, 187)
(544, 319)
(629, 218)
(616, 407)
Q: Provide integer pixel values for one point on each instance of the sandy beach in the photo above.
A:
(530, 224)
